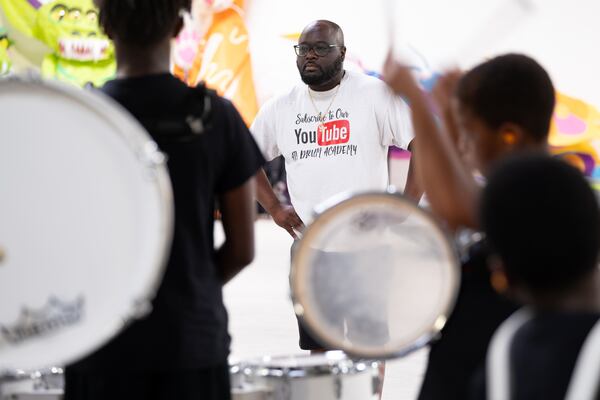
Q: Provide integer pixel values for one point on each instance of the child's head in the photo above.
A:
(504, 104)
(142, 23)
(542, 219)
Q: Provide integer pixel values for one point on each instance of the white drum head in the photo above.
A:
(86, 222)
(374, 276)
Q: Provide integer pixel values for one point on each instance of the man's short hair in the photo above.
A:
(510, 88)
(541, 218)
(336, 30)
(141, 22)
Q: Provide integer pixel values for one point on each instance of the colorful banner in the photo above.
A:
(5, 63)
(222, 60)
(575, 134)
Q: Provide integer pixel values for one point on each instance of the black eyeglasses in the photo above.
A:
(320, 49)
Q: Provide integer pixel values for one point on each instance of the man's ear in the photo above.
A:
(343, 52)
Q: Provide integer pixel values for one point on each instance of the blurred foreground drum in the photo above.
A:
(86, 225)
(328, 376)
(374, 276)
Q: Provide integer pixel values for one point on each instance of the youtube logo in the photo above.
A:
(334, 132)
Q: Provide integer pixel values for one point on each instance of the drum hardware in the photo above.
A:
(337, 384)
(47, 384)
(2, 255)
(152, 156)
(327, 376)
(140, 309)
(465, 239)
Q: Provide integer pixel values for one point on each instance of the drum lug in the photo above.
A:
(152, 156)
(141, 308)
(30, 75)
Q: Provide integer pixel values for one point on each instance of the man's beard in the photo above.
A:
(324, 76)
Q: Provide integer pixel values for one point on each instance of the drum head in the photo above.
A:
(86, 217)
(374, 276)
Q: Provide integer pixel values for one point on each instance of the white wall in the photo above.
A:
(563, 35)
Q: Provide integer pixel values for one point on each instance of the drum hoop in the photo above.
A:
(341, 366)
(326, 212)
(20, 375)
(139, 141)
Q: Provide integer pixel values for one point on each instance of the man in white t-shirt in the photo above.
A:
(333, 131)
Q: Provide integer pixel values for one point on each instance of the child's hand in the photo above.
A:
(443, 93)
(399, 78)
(445, 88)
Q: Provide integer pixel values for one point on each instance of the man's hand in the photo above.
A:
(283, 215)
(286, 217)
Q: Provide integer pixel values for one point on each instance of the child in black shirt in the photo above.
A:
(180, 350)
(542, 222)
(498, 108)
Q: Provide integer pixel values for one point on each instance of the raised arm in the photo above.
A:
(450, 187)
(413, 188)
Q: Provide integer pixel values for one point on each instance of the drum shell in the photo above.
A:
(340, 380)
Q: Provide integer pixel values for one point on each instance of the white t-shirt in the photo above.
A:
(348, 153)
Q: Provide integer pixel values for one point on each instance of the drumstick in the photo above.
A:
(389, 12)
(505, 20)
(508, 16)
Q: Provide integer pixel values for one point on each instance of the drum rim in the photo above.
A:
(137, 140)
(327, 211)
(21, 375)
(340, 365)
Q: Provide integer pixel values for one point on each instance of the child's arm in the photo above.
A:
(450, 187)
(238, 211)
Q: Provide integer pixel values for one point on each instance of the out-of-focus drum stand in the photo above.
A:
(373, 276)
(38, 385)
(86, 226)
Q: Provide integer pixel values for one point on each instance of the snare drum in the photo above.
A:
(374, 276)
(327, 376)
(86, 222)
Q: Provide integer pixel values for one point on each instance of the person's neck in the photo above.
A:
(583, 296)
(135, 61)
(330, 84)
